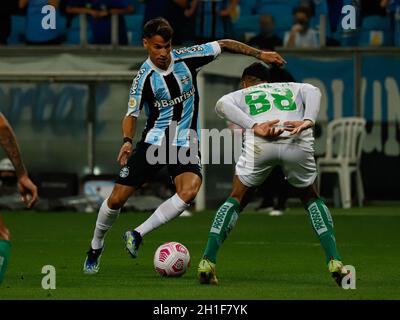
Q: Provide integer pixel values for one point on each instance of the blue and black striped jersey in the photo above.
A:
(170, 95)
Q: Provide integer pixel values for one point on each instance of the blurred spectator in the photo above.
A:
(100, 12)
(213, 18)
(310, 4)
(7, 9)
(393, 8)
(173, 12)
(373, 7)
(35, 33)
(266, 39)
(301, 35)
(335, 13)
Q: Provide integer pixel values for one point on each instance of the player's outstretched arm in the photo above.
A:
(9, 143)
(234, 46)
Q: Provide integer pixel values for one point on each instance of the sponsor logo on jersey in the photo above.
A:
(136, 81)
(159, 94)
(189, 50)
(124, 172)
(185, 79)
(171, 102)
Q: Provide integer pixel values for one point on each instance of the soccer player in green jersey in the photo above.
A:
(291, 110)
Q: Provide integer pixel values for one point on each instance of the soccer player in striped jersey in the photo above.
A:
(26, 188)
(292, 108)
(165, 87)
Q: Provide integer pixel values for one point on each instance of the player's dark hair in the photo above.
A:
(158, 26)
(256, 71)
(278, 74)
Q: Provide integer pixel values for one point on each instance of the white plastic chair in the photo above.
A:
(345, 138)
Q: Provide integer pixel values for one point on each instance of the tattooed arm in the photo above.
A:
(10, 146)
(9, 143)
(234, 46)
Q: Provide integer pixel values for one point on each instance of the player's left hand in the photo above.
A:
(28, 191)
(297, 126)
(267, 129)
(272, 57)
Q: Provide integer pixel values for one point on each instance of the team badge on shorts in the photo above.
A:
(124, 172)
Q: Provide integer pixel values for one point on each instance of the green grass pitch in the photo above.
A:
(264, 257)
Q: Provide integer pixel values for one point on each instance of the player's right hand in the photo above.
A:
(124, 153)
(28, 191)
(296, 127)
(273, 58)
(267, 129)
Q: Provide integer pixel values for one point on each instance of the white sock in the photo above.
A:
(167, 210)
(105, 220)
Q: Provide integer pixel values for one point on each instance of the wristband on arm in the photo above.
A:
(127, 139)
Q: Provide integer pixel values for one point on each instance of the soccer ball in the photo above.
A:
(171, 259)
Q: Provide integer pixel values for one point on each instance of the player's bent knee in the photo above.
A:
(119, 196)
(115, 202)
(188, 195)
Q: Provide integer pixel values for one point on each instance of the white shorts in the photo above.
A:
(258, 159)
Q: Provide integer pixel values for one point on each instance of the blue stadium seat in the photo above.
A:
(73, 33)
(376, 23)
(134, 26)
(349, 38)
(292, 3)
(139, 6)
(73, 36)
(17, 30)
(246, 24)
(375, 31)
(282, 12)
(248, 7)
(268, 2)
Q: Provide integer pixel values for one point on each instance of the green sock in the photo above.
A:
(322, 223)
(4, 255)
(223, 223)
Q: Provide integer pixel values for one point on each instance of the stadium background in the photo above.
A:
(66, 103)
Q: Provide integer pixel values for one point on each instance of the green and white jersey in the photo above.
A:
(269, 101)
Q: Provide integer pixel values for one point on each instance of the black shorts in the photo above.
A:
(139, 170)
